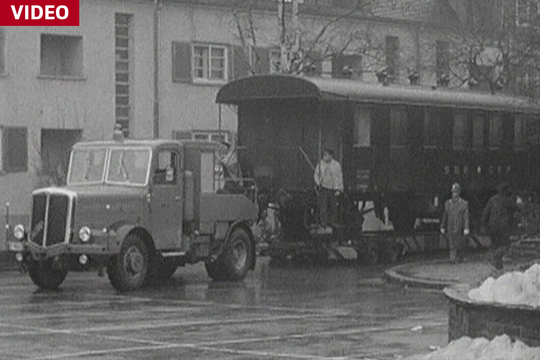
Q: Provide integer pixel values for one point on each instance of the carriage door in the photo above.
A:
(381, 146)
(166, 204)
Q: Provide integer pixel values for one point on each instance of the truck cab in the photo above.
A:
(139, 209)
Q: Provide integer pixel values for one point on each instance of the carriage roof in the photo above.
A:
(287, 87)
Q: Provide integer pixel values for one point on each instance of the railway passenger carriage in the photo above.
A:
(400, 148)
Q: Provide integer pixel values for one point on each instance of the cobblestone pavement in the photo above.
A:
(279, 312)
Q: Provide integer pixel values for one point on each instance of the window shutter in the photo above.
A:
(15, 149)
(181, 135)
(314, 63)
(240, 66)
(2, 41)
(181, 62)
(261, 61)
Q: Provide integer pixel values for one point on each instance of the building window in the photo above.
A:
(205, 135)
(362, 126)
(14, 149)
(392, 57)
(347, 67)
(209, 63)
(2, 52)
(61, 56)
(526, 12)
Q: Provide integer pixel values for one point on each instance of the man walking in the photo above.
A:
(455, 223)
(497, 218)
(329, 180)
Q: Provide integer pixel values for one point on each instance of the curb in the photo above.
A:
(393, 276)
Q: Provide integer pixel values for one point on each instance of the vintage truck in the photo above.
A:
(139, 209)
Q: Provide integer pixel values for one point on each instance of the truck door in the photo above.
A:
(166, 200)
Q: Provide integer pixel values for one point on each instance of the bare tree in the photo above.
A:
(495, 53)
(304, 41)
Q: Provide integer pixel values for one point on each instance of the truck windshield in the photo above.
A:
(125, 166)
(87, 166)
(128, 166)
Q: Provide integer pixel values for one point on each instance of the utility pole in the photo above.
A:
(283, 48)
(156, 68)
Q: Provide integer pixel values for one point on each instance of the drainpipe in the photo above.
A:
(156, 69)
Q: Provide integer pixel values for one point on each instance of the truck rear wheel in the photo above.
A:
(128, 270)
(235, 261)
(44, 275)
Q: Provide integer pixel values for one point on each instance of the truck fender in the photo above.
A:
(120, 234)
(245, 226)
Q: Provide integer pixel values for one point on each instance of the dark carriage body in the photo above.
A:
(401, 148)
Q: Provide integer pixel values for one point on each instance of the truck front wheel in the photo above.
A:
(127, 271)
(235, 261)
(45, 275)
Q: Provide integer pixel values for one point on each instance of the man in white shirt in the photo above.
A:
(329, 179)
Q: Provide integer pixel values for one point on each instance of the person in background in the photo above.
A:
(455, 223)
(329, 180)
(497, 219)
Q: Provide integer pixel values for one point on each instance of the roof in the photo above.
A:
(432, 11)
(281, 87)
(439, 12)
(153, 143)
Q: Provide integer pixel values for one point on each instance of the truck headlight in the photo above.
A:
(85, 234)
(18, 232)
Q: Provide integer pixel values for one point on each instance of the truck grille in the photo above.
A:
(51, 217)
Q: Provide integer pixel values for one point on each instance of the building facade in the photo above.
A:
(155, 68)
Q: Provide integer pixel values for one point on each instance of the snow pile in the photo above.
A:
(500, 348)
(515, 288)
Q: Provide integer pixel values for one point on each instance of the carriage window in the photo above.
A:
(495, 131)
(460, 132)
(362, 126)
(519, 130)
(398, 133)
(478, 131)
(431, 129)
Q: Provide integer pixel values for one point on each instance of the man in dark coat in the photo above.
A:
(455, 223)
(497, 218)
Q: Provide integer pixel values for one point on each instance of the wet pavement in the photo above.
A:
(287, 311)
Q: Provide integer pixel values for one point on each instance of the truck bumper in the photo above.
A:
(98, 250)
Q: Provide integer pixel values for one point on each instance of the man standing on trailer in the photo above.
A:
(329, 180)
(455, 223)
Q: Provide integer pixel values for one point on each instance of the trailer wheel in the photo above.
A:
(128, 270)
(44, 275)
(371, 253)
(168, 267)
(234, 263)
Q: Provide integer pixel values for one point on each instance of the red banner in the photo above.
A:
(39, 13)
